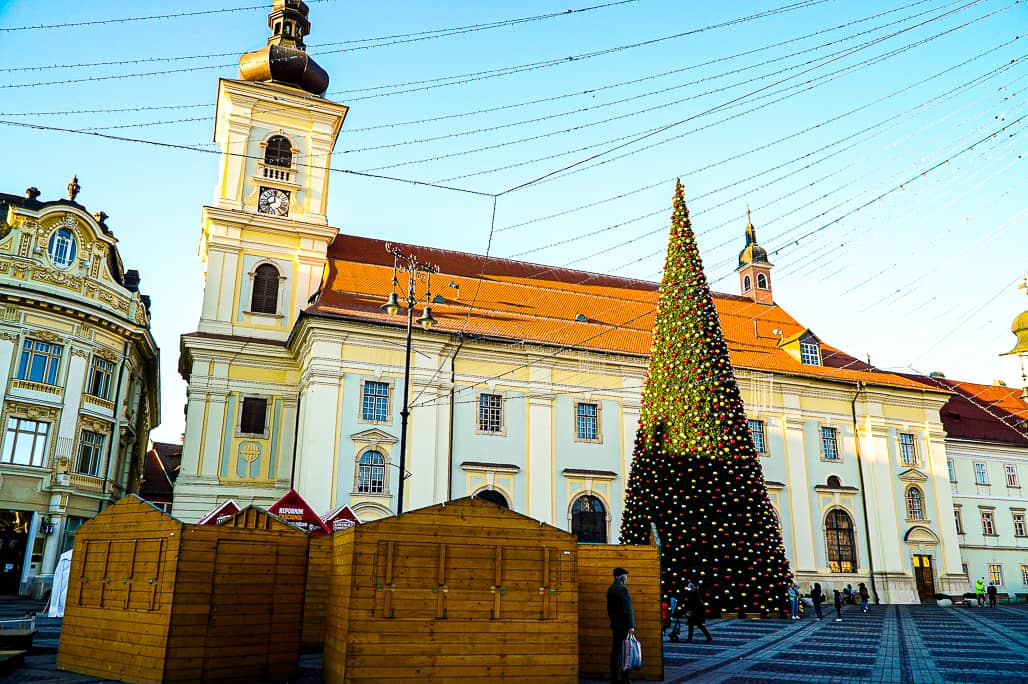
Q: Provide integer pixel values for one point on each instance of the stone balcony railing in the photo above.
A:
(97, 401)
(37, 387)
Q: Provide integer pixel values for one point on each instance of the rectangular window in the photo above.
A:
(25, 442)
(829, 444)
(988, 524)
(1019, 527)
(91, 446)
(586, 422)
(1012, 480)
(1024, 574)
(253, 416)
(908, 450)
(967, 572)
(375, 402)
(810, 354)
(981, 475)
(959, 520)
(490, 413)
(100, 374)
(996, 574)
(759, 441)
(40, 362)
(952, 470)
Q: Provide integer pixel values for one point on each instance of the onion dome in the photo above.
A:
(284, 59)
(752, 253)
(1020, 330)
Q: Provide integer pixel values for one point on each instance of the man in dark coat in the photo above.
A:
(992, 591)
(622, 622)
(696, 615)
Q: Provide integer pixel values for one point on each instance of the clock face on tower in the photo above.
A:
(273, 201)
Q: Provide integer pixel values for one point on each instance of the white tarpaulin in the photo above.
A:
(59, 591)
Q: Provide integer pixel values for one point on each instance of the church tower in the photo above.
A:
(264, 247)
(754, 269)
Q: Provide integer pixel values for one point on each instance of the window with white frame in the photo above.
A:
(1019, 526)
(1024, 574)
(981, 474)
(996, 574)
(61, 248)
(964, 568)
(1011, 471)
(375, 401)
(958, 519)
(908, 449)
(25, 442)
(759, 438)
(761, 281)
(951, 469)
(371, 473)
(91, 446)
(490, 413)
(988, 524)
(915, 504)
(587, 428)
(100, 373)
(810, 353)
(39, 362)
(829, 443)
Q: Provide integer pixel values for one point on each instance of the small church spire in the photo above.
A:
(754, 269)
(284, 59)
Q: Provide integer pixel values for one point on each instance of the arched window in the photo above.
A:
(761, 281)
(371, 473)
(746, 284)
(834, 482)
(279, 151)
(915, 504)
(61, 248)
(842, 552)
(493, 496)
(265, 290)
(589, 520)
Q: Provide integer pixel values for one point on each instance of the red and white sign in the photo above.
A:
(294, 510)
(341, 518)
(220, 513)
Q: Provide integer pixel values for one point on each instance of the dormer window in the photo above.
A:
(62, 248)
(810, 354)
(279, 151)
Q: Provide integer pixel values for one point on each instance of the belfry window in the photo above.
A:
(746, 283)
(265, 290)
(279, 151)
(761, 281)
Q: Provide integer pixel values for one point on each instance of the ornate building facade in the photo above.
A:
(81, 393)
(526, 390)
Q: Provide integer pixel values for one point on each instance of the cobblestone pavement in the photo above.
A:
(895, 644)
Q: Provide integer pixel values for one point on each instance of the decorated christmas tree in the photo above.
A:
(695, 476)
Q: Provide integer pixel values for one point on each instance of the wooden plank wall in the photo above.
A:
(466, 592)
(596, 563)
(315, 603)
(337, 623)
(239, 605)
(120, 594)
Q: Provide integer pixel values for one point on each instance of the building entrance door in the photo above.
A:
(14, 528)
(924, 577)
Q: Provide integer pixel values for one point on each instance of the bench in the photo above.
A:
(1021, 597)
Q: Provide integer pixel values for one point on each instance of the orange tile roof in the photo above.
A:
(519, 301)
(992, 413)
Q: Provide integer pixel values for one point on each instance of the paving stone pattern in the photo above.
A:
(894, 644)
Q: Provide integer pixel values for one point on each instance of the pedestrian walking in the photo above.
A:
(838, 605)
(818, 597)
(697, 612)
(622, 622)
(865, 596)
(794, 600)
(848, 595)
(979, 590)
(992, 591)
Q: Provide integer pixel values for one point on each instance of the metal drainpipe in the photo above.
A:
(296, 440)
(863, 495)
(453, 390)
(117, 421)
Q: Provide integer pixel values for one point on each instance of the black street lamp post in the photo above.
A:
(415, 270)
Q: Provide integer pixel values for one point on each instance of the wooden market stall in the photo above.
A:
(459, 592)
(152, 599)
(596, 563)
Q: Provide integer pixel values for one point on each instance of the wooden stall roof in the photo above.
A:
(256, 518)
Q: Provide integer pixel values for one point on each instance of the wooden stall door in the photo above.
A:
(239, 628)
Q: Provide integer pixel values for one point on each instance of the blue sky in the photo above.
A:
(879, 145)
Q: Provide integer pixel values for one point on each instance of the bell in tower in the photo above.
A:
(284, 59)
